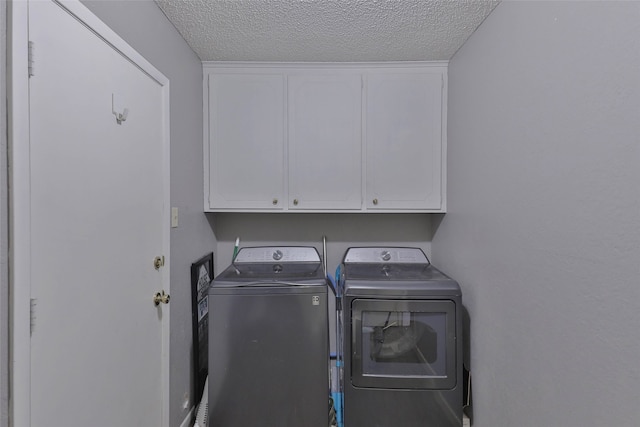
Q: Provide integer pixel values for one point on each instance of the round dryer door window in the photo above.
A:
(403, 344)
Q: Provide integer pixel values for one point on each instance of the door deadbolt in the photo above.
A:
(161, 297)
(158, 262)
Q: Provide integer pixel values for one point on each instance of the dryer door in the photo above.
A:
(404, 344)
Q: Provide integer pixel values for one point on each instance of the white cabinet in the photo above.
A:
(404, 140)
(325, 137)
(325, 126)
(244, 145)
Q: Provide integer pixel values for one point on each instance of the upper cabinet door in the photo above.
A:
(325, 126)
(326, 137)
(246, 141)
(404, 140)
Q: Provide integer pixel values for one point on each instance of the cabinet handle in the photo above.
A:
(295, 202)
(275, 202)
(375, 201)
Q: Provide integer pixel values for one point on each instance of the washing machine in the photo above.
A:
(402, 340)
(268, 340)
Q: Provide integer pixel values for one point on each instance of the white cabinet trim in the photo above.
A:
(319, 68)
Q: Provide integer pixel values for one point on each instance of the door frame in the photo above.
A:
(20, 205)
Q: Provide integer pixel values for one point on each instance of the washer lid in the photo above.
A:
(391, 255)
(271, 272)
(288, 265)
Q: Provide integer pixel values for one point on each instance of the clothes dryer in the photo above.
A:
(402, 340)
(268, 340)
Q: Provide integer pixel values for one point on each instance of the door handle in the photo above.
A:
(161, 297)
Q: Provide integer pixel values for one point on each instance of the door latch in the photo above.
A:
(161, 297)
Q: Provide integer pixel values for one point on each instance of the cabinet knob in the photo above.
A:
(295, 202)
(375, 201)
(275, 202)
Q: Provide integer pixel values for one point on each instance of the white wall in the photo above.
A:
(4, 242)
(146, 29)
(543, 229)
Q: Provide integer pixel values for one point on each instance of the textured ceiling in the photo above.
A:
(326, 30)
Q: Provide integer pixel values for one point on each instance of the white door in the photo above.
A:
(98, 205)
(325, 141)
(404, 140)
(246, 141)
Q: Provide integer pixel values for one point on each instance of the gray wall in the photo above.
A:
(341, 230)
(4, 238)
(146, 29)
(543, 229)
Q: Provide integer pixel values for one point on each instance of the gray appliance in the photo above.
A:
(402, 340)
(268, 340)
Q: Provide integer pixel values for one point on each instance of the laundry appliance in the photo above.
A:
(402, 340)
(268, 340)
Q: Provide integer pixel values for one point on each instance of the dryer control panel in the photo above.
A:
(382, 255)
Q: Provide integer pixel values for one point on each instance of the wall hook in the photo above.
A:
(120, 117)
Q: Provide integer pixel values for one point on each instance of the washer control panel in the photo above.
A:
(281, 254)
(384, 255)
